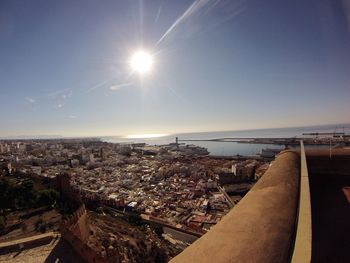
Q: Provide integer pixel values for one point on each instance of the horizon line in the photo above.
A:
(56, 136)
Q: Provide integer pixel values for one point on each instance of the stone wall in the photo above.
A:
(63, 182)
(76, 230)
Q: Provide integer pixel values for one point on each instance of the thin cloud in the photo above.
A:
(225, 9)
(67, 95)
(191, 10)
(30, 100)
(100, 85)
(60, 97)
(158, 14)
(61, 94)
(120, 86)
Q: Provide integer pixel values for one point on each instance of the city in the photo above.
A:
(176, 187)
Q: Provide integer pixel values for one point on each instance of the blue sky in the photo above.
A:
(224, 65)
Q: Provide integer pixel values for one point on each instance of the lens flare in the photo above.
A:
(141, 62)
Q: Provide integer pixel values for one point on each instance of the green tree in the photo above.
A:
(2, 222)
(27, 185)
(158, 229)
(48, 197)
(26, 194)
(6, 194)
(134, 218)
(40, 226)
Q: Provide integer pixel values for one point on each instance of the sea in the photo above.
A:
(234, 148)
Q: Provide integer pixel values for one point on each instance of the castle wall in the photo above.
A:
(76, 230)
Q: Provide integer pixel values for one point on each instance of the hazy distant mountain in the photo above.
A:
(27, 137)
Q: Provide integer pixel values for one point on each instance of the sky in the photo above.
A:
(218, 65)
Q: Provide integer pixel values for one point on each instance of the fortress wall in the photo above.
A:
(75, 230)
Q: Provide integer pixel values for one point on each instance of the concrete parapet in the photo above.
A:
(261, 227)
(303, 238)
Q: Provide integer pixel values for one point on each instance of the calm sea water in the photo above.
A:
(233, 148)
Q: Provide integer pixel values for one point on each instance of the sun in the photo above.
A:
(141, 62)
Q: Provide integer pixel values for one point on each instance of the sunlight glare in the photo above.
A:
(146, 136)
(141, 62)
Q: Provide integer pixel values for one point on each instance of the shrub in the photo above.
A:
(48, 197)
(2, 222)
(40, 226)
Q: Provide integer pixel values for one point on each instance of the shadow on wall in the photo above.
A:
(330, 207)
(63, 252)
